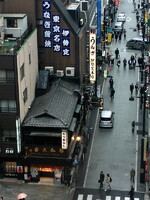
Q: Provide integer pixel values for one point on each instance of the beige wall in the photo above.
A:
(30, 70)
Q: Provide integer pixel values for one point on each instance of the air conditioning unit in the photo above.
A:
(50, 69)
(81, 22)
(60, 73)
(70, 71)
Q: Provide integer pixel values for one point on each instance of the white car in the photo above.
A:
(121, 17)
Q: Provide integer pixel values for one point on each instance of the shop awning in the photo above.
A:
(73, 124)
(45, 134)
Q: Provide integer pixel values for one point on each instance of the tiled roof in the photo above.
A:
(55, 108)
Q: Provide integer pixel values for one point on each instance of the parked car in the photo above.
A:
(137, 43)
(106, 119)
(118, 27)
(121, 17)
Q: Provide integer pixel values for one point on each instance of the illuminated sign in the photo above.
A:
(55, 36)
(64, 139)
(92, 57)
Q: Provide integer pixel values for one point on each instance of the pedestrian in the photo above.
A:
(117, 53)
(133, 126)
(2, 198)
(131, 193)
(120, 37)
(132, 175)
(116, 36)
(137, 17)
(136, 87)
(138, 26)
(111, 83)
(112, 92)
(124, 62)
(138, 6)
(131, 88)
(124, 32)
(118, 63)
(101, 179)
(108, 180)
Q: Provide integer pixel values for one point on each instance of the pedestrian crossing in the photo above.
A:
(91, 197)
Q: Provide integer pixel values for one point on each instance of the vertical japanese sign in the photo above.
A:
(55, 36)
(92, 57)
(18, 132)
(64, 139)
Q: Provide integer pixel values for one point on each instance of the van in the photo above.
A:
(137, 43)
(106, 119)
(118, 27)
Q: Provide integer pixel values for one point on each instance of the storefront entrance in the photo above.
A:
(10, 169)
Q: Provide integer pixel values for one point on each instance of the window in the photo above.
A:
(8, 106)
(12, 23)
(29, 58)
(25, 97)
(6, 76)
(8, 135)
(22, 72)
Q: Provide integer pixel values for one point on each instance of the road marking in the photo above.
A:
(136, 198)
(80, 197)
(108, 197)
(128, 19)
(89, 197)
(127, 198)
(117, 198)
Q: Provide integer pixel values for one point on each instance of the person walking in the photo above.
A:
(124, 62)
(136, 88)
(131, 193)
(111, 83)
(118, 63)
(101, 179)
(132, 175)
(112, 93)
(117, 53)
(131, 88)
(133, 126)
(124, 33)
(108, 180)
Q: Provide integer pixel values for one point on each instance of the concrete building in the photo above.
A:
(18, 77)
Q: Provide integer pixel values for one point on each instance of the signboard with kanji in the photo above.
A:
(92, 56)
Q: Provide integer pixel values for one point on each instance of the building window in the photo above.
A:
(10, 168)
(29, 58)
(8, 106)
(6, 76)
(22, 71)
(8, 135)
(12, 23)
(25, 96)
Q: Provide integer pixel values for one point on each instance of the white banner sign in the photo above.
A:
(92, 57)
(64, 139)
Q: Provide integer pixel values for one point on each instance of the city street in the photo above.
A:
(115, 151)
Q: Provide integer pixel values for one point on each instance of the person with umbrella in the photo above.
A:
(21, 196)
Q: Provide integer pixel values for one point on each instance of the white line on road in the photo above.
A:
(90, 150)
(108, 197)
(89, 197)
(80, 197)
(136, 157)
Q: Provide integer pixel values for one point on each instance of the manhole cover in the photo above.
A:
(113, 166)
(93, 166)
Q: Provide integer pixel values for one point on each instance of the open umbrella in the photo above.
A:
(21, 196)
